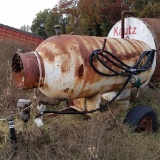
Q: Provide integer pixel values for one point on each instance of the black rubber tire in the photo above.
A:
(137, 114)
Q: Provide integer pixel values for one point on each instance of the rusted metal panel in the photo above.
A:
(68, 74)
(154, 25)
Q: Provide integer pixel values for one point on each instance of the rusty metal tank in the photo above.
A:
(144, 29)
(60, 66)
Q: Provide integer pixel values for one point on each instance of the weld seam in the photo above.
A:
(40, 69)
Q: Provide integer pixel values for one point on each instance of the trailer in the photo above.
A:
(65, 68)
(86, 70)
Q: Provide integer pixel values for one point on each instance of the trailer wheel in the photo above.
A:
(142, 119)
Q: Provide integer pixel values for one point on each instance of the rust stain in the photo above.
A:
(87, 45)
(87, 92)
(66, 90)
(17, 77)
(47, 55)
(80, 71)
(132, 43)
(110, 47)
(45, 87)
(116, 86)
(65, 63)
(79, 103)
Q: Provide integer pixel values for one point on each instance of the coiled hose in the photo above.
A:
(125, 69)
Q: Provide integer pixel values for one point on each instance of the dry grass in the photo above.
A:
(72, 137)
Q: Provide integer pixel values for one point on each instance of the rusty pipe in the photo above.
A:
(65, 69)
(28, 70)
(122, 21)
(57, 30)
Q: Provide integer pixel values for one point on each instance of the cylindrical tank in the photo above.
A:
(60, 66)
(144, 29)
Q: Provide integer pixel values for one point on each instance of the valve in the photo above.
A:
(23, 107)
(136, 82)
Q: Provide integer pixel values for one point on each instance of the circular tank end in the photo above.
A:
(27, 70)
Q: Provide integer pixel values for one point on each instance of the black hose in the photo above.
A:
(125, 69)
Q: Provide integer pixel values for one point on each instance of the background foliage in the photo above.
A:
(90, 17)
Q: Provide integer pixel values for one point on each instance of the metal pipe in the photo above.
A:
(28, 70)
(122, 21)
(57, 30)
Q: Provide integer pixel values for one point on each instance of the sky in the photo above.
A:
(16, 13)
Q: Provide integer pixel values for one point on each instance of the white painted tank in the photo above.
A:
(60, 66)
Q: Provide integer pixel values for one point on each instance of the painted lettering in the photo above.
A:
(115, 31)
(120, 31)
(129, 28)
(127, 31)
(134, 30)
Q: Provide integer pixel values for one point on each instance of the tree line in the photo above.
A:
(90, 17)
